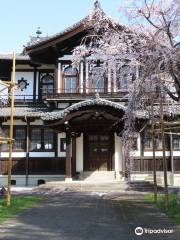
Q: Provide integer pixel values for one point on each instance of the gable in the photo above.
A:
(47, 51)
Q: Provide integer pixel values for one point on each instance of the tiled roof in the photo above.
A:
(77, 106)
(46, 114)
(57, 35)
(10, 56)
(24, 111)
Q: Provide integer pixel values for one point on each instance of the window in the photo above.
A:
(20, 139)
(19, 135)
(63, 145)
(5, 134)
(71, 80)
(47, 85)
(147, 141)
(42, 139)
(134, 144)
(176, 142)
(96, 77)
(48, 139)
(36, 143)
(124, 77)
(158, 141)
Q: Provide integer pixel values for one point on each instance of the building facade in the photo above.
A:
(67, 127)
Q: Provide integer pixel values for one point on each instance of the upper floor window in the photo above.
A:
(97, 77)
(47, 85)
(124, 78)
(70, 80)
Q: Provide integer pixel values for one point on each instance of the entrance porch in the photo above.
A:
(92, 133)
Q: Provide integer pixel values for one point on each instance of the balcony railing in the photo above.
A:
(79, 93)
(84, 92)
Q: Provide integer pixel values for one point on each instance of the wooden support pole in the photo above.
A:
(172, 157)
(27, 151)
(154, 148)
(12, 84)
(164, 154)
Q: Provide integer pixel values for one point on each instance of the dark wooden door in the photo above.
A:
(98, 150)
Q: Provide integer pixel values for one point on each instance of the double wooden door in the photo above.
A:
(98, 152)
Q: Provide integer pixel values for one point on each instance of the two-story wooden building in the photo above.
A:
(68, 127)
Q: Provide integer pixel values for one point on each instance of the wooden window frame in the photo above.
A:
(42, 149)
(42, 74)
(64, 76)
(14, 136)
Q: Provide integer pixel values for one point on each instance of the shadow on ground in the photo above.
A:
(82, 215)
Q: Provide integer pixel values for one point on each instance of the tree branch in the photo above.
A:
(175, 98)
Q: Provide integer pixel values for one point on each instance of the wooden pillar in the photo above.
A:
(73, 155)
(84, 78)
(68, 156)
(59, 78)
(35, 84)
(27, 151)
(56, 78)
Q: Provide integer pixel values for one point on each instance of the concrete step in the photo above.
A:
(97, 176)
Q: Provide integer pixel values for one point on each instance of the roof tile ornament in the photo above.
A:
(97, 4)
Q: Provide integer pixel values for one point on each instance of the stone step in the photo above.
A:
(114, 186)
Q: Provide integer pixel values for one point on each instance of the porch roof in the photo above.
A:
(55, 115)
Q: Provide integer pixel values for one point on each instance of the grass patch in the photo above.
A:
(19, 204)
(174, 205)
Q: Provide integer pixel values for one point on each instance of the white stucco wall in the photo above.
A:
(16, 123)
(79, 153)
(41, 154)
(61, 135)
(118, 154)
(14, 154)
(37, 122)
(29, 76)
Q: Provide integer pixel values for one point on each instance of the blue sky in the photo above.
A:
(20, 18)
